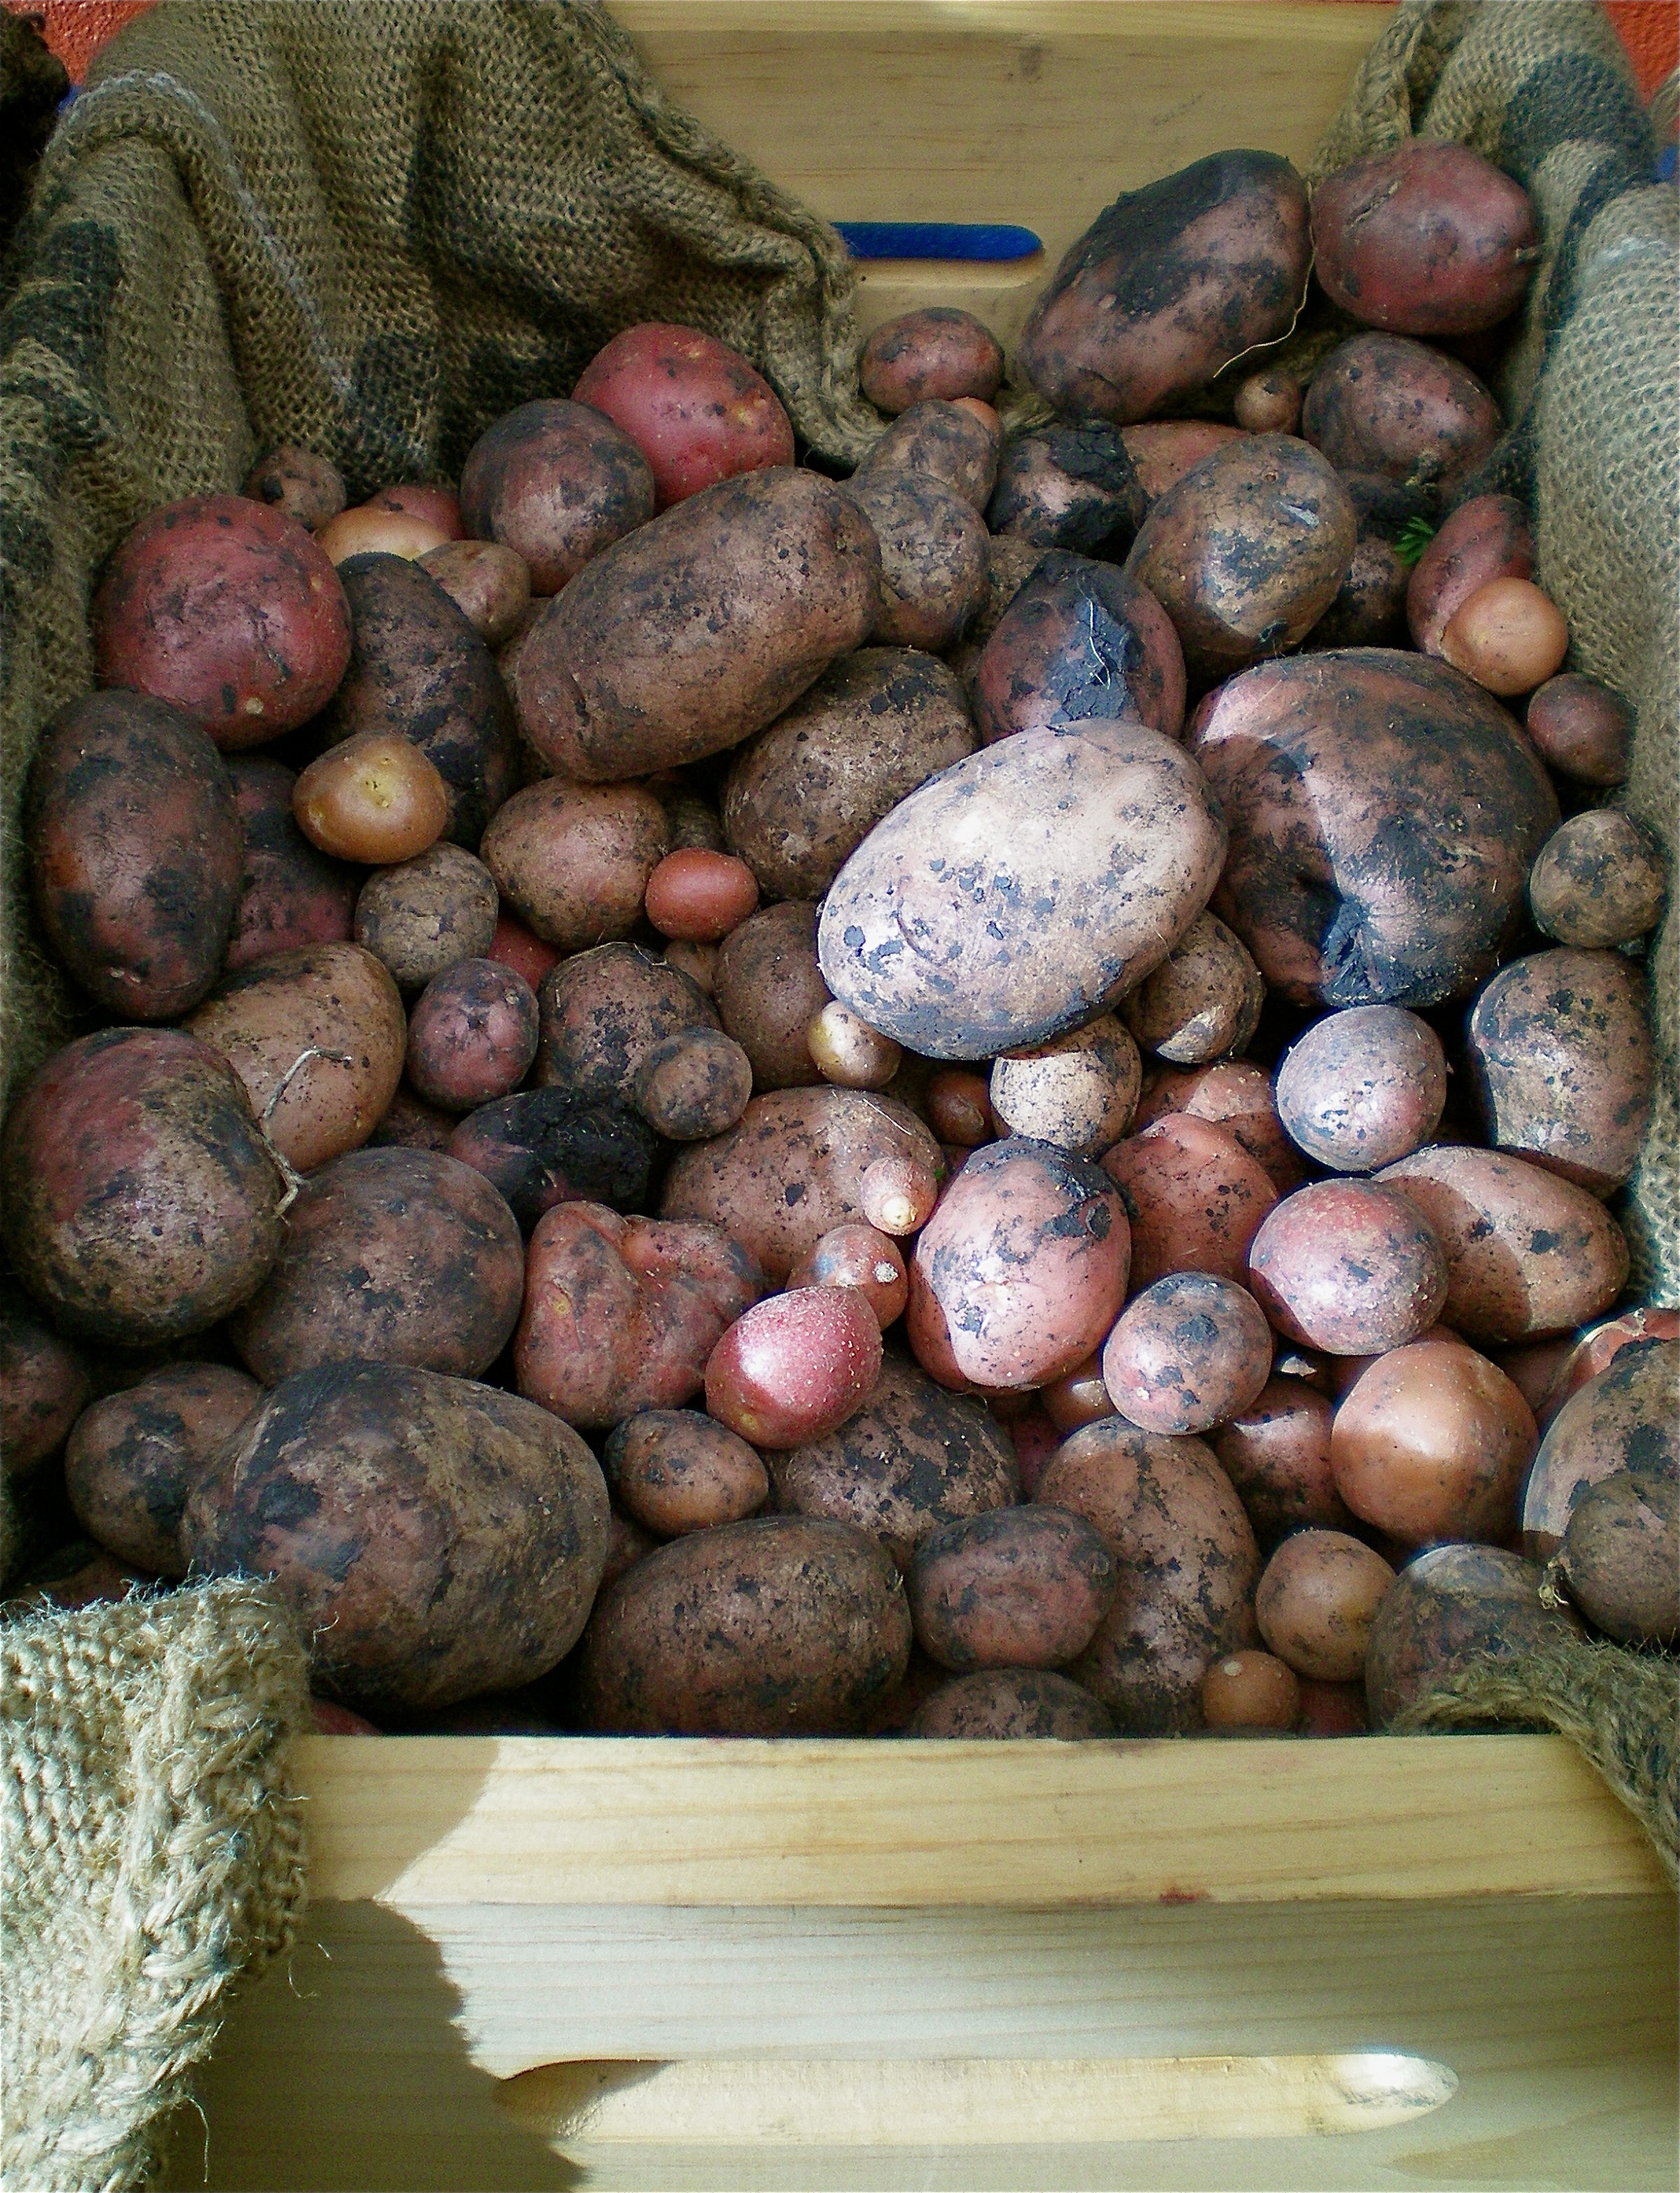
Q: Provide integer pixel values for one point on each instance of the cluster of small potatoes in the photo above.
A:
(1071, 1234)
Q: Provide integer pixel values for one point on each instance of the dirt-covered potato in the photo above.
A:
(1363, 1087)
(769, 989)
(794, 1168)
(1527, 1253)
(428, 913)
(1203, 1001)
(1013, 1588)
(1601, 880)
(1451, 1606)
(1369, 608)
(1186, 1565)
(1584, 729)
(471, 1035)
(411, 1124)
(954, 444)
(1193, 1197)
(434, 1537)
(318, 1037)
(913, 1459)
(1234, 1094)
(1432, 1443)
(783, 1625)
(935, 558)
(299, 483)
(1360, 789)
(1247, 551)
(676, 1470)
(1620, 1558)
(140, 1202)
(621, 1313)
(1267, 402)
(1008, 1704)
(291, 893)
(134, 1457)
(936, 351)
(1078, 1092)
(1277, 1454)
(804, 794)
(1315, 1602)
(540, 1146)
(1016, 895)
(135, 852)
(602, 1011)
(1168, 284)
(44, 1388)
(488, 584)
(556, 483)
(694, 632)
(1560, 1056)
(1348, 1267)
(1488, 537)
(1069, 487)
(699, 411)
(1190, 1352)
(1080, 642)
(1385, 403)
(1557, 1369)
(694, 1085)
(574, 859)
(418, 667)
(1627, 1418)
(1162, 451)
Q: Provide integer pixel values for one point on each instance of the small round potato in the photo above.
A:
(134, 1457)
(1013, 1588)
(488, 584)
(848, 1051)
(1451, 1606)
(299, 483)
(769, 989)
(1008, 1705)
(472, 1035)
(375, 798)
(555, 481)
(574, 859)
(1267, 402)
(1509, 635)
(1600, 880)
(1194, 1197)
(540, 1146)
(1080, 641)
(1620, 1558)
(602, 1013)
(676, 1470)
(694, 1085)
(1348, 1267)
(1317, 1597)
(1363, 1087)
(934, 559)
(960, 1108)
(1490, 537)
(1068, 487)
(1203, 1002)
(862, 1257)
(1190, 1352)
(1078, 1092)
(1250, 1690)
(956, 444)
(1385, 403)
(428, 913)
(1584, 729)
(936, 351)
(1433, 1443)
(699, 895)
(1277, 1454)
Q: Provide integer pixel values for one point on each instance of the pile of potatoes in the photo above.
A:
(976, 1100)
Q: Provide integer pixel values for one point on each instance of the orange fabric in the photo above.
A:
(1650, 29)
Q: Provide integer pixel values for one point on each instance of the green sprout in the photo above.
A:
(1413, 537)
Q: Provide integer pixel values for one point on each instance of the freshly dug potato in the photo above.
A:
(574, 859)
(1234, 1094)
(1203, 1001)
(1277, 1454)
(1601, 880)
(1250, 1691)
(556, 483)
(699, 411)
(675, 1471)
(1267, 404)
(1006, 1705)
(956, 445)
(603, 1011)
(795, 1366)
(291, 893)
(628, 1544)
(804, 794)
(694, 1085)
(978, 917)
(411, 1124)
(318, 1037)
(793, 1169)
(1247, 551)
(1316, 1600)
(427, 914)
(1384, 404)
(1068, 487)
(1433, 1443)
(1194, 1199)
(134, 1457)
(1014, 1588)
(540, 1146)
(698, 630)
(418, 667)
(44, 1388)
(1427, 240)
(935, 558)
(780, 1626)
(141, 1202)
(1080, 642)
(621, 1313)
(1573, 1363)
(299, 483)
(1584, 729)
(769, 989)
(1626, 1419)
(936, 351)
(1348, 1267)
(697, 896)
(1020, 1271)
(378, 529)
(1369, 610)
(1561, 1057)
(1078, 1092)
(913, 1459)
(490, 585)
(135, 852)
(439, 506)
(434, 1537)
(1620, 1558)
(1363, 1087)
(373, 798)
(471, 1035)
(227, 609)
(1190, 1352)
(1451, 1606)
(1162, 451)
(1169, 284)
(1527, 1253)
(1509, 636)
(1362, 789)
(1488, 537)
(1186, 1566)
(847, 1050)
(861, 1256)
(1010, 564)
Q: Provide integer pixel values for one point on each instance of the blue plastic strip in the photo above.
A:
(937, 239)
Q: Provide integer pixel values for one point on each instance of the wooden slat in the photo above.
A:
(605, 1820)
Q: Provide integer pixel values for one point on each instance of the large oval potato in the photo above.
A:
(1080, 642)
(1384, 404)
(556, 483)
(1022, 891)
(695, 631)
(783, 1625)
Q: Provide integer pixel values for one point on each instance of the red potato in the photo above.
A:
(522, 949)
(1013, 1588)
(1190, 1352)
(1011, 1705)
(226, 609)
(1384, 404)
(1348, 1267)
(1329, 1709)
(1234, 1094)
(795, 1367)
(603, 1011)
(1080, 641)
(1315, 1602)
(298, 482)
(1627, 1418)
(367, 530)
(1345, 1371)
(44, 1388)
(936, 351)
(1277, 1454)
(375, 798)
(1450, 1608)
(1162, 451)
(1079, 1396)
(1584, 729)
(1193, 1197)
(556, 483)
(1488, 537)
(291, 893)
(861, 1256)
(488, 584)
(677, 1471)
(1250, 1690)
(1433, 1443)
(135, 1456)
(471, 1035)
(1573, 1364)
(437, 506)
(574, 859)
(696, 411)
(1363, 1087)
(699, 896)
(328, 1718)
(958, 1106)
(1068, 487)
(955, 446)
(1508, 636)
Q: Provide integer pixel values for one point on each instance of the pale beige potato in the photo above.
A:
(1079, 1092)
(1203, 1002)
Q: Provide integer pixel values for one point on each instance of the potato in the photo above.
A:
(958, 1106)
(1363, 789)
(1234, 1094)
(694, 1085)
(371, 529)
(847, 1050)
(373, 798)
(228, 610)
(807, 792)
(1194, 1199)
(698, 630)
(861, 1256)
(1316, 1599)
(1348, 1267)
(141, 1202)
(795, 1367)
(1006, 1705)
(1079, 1092)
(1014, 1588)
(1186, 1565)
(439, 506)
(1509, 635)
(1332, 1709)
(1277, 1454)
(134, 1457)
(956, 445)
(556, 483)
(471, 1035)
(135, 852)
(1078, 1397)
(299, 483)
(318, 1037)
(1068, 487)
(1488, 537)
(1247, 551)
(603, 1011)
(1451, 1607)
(936, 351)
(1363, 1087)
(913, 1459)
(428, 914)
(628, 1544)
(1369, 610)
(541, 1146)
(1570, 1363)
(1600, 880)
(1190, 1352)
(1010, 562)
(699, 895)
(769, 989)
(1202, 1002)
(1384, 404)
(1527, 1253)
(1162, 451)
(793, 1169)
(44, 1388)
(1431, 1444)
(1626, 1419)
(779, 1626)
(434, 1537)
(1584, 729)
(1620, 1558)
(1267, 404)
(977, 918)
(935, 558)
(411, 1124)
(675, 1470)
(290, 892)
(1427, 240)
(697, 410)
(621, 1313)
(490, 585)
(1250, 1691)
(1080, 642)
(1169, 284)
(574, 859)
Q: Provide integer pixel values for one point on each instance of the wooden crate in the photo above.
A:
(830, 1965)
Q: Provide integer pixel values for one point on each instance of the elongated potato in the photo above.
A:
(290, 892)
